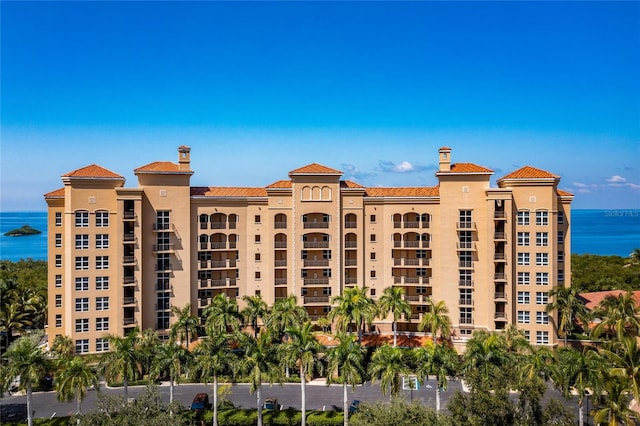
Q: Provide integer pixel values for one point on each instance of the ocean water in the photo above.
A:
(603, 232)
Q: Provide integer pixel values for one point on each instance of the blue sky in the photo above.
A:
(373, 89)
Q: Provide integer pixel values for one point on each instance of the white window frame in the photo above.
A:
(82, 346)
(542, 317)
(58, 261)
(82, 304)
(542, 259)
(102, 344)
(542, 278)
(524, 317)
(542, 218)
(58, 301)
(102, 324)
(58, 320)
(102, 303)
(102, 241)
(524, 217)
(524, 278)
(58, 281)
(102, 262)
(542, 239)
(82, 263)
(82, 325)
(523, 239)
(82, 241)
(102, 219)
(560, 237)
(82, 219)
(524, 259)
(58, 240)
(524, 297)
(58, 219)
(102, 283)
(82, 283)
(542, 298)
(542, 337)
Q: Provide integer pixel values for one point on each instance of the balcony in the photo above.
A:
(404, 261)
(163, 248)
(499, 276)
(218, 225)
(280, 244)
(279, 263)
(465, 301)
(129, 260)
(129, 216)
(315, 225)
(411, 244)
(316, 281)
(129, 301)
(465, 264)
(410, 280)
(350, 224)
(129, 280)
(466, 246)
(128, 322)
(163, 227)
(500, 295)
(466, 320)
(411, 224)
(500, 316)
(499, 214)
(219, 283)
(416, 316)
(413, 298)
(499, 257)
(281, 281)
(163, 267)
(350, 280)
(466, 226)
(316, 262)
(350, 244)
(499, 236)
(218, 245)
(280, 225)
(465, 283)
(129, 238)
(350, 262)
(316, 244)
(316, 299)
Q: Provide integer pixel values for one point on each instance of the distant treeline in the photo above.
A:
(596, 273)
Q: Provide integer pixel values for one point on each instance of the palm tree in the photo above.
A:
(388, 365)
(73, 380)
(515, 340)
(578, 371)
(614, 403)
(303, 349)
(256, 308)
(122, 359)
(346, 362)
(567, 302)
(285, 313)
(171, 357)
(63, 347)
(353, 307)
(436, 320)
(146, 347)
(392, 300)
(436, 360)
(222, 315)
(258, 363)
(26, 359)
(625, 361)
(486, 358)
(186, 323)
(13, 320)
(212, 358)
(620, 316)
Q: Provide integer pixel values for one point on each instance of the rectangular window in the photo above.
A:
(163, 281)
(542, 218)
(542, 317)
(560, 237)
(58, 240)
(326, 273)
(102, 219)
(102, 262)
(523, 278)
(82, 346)
(58, 281)
(524, 317)
(102, 283)
(560, 218)
(58, 320)
(561, 275)
(82, 283)
(58, 219)
(102, 303)
(58, 301)
(257, 218)
(542, 259)
(372, 218)
(162, 301)
(102, 344)
(82, 219)
(257, 275)
(162, 320)
(561, 257)
(102, 241)
(523, 259)
(82, 242)
(542, 278)
(372, 274)
(372, 256)
(542, 337)
(524, 297)
(542, 298)
(58, 261)
(523, 217)
(527, 335)
(523, 238)
(82, 262)
(102, 324)
(82, 325)
(257, 257)
(257, 238)
(82, 304)
(542, 239)
(372, 238)
(466, 296)
(466, 315)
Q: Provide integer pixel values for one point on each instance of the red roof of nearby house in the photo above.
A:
(593, 299)
(528, 172)
(56, 193)
(93, 171)
(160, 167)
(564, 193)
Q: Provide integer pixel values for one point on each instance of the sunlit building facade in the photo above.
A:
(121, 257)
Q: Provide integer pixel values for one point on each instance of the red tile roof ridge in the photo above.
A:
(93, 171)
(56, 193)
(530, 172)
(315, 168)
(284, 183)
(159, 166)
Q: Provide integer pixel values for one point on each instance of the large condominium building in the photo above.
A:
(121, 257)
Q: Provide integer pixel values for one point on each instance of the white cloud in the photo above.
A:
(616, 179)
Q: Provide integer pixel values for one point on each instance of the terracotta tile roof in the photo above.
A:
(231, 191)
(93, 171)
(159, 166)
(468, 168)
(528, 172)
(593, 299)
(56, 193)
(350, 184)
(564, 193)
(280, 184)
(445, 148)
(315, 169)
(420, 191)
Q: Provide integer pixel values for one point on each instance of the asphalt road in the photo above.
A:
(319, 396)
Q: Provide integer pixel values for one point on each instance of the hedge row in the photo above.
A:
(289, 417)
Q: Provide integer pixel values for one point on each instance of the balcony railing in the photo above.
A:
(316, 281)
(163, 227)
(501, 316)
(350, 262)
(315, 225)
(465, 283)
(350, 280)
(499, 276)
(499, 256)
(316, 244)
(403, 261)
(466, 320)
(281, 281)
(162, 267)
(498, 214)
(411, 244)
(128, 321)
(129, 280)
(218, 225)
(280, 263)
(350, 224)
(218, 245)
(466, 225)
(129, 215)
(129, 301)
(466, 245)
(281, 244)
(316, 299)
(499, 236)
(129, 260)
(499, 295)
(411, 224)
(410, 280)
(412, 298)
(316, 262)
(465, 264)
(280, 225)
(466, 301)
(129, 237)
(163, 247)
(350, 244)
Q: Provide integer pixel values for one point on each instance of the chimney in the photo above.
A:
(184, 158)
(445, 159)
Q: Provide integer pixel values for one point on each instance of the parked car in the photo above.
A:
(199, 404)
(271, 404)
(353, 408)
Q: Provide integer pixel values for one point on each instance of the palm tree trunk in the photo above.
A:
(215, 400)
(303, 388)
(437, 396)
(395, 333)
(258, 389)
(345, 407)
(580, 413)
(29, 404)
(125, 387)
(78, 406)
(170, 389)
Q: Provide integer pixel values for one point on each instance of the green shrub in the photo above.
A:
(288, 417)
(326, 418)
(238, 417)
